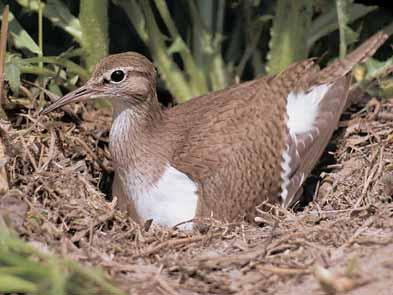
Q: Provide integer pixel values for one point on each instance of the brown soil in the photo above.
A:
(341, 242)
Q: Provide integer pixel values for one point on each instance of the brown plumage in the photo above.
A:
(230, 143)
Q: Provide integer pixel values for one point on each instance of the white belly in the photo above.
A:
(172, 200)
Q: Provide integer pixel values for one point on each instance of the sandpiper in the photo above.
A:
(222, 154)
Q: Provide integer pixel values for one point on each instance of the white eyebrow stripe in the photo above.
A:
(134, 71)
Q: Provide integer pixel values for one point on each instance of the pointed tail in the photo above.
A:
(342, 66)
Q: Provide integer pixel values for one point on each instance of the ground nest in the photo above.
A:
(57, 168)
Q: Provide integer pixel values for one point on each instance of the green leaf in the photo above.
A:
(58, 14)
(21, 264)
(66, 63)
(54, 88)
(376, 68)
(12, 75)
(327, 22)
(387, 87)
(19, 37)
(11, 284)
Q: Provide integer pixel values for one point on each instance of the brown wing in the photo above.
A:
(233, 147)
(245, 126)
(213, 123)
(305, 149)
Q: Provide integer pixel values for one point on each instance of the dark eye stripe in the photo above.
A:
(138, 73)
(129, 73)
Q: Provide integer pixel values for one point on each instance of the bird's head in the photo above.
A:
(128, 78)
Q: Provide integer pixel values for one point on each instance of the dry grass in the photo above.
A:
(54, 169)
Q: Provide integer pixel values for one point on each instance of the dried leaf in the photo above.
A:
(13, 211)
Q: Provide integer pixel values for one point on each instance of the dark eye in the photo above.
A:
(117, 76)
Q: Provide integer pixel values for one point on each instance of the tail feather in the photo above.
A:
(342, 66)
(304, 149)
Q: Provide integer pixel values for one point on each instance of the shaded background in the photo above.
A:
(222, 42)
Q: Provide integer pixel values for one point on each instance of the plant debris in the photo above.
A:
(57, 170)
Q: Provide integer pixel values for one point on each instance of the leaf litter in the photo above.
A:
(57, 169)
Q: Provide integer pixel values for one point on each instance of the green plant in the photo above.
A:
(207, 65)
(214, 45)
(289, 34)
(90, 31)
(24, 269)
(197, 75)
(94, 23)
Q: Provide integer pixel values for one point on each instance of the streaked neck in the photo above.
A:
(138, 149)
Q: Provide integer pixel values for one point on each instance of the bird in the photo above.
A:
(222, 154)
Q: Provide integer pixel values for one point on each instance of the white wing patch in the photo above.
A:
(302, 110)
(171, 201)
(286, 170)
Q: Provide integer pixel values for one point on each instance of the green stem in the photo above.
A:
(40, 34)
(135, 15)
(41, 81)
(289, 34)
(342, 19)
(170, 72)
(197, 78)
(94, 23)
(35, 70)
(220, 18)
(249, 51)
(327, 22)
(209, 56)
(66, 63)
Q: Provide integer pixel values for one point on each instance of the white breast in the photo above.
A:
(172, 200)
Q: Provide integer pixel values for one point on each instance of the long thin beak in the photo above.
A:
(83, 93)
